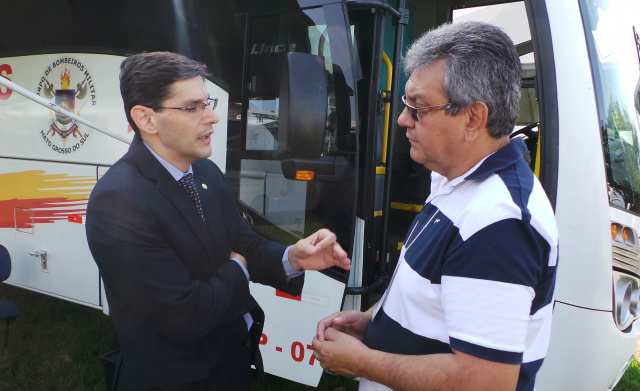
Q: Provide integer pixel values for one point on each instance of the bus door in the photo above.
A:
(375, 70)
(292, 163)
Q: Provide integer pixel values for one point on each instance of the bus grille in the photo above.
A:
(626, 259)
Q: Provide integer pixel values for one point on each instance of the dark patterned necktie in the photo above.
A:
(189, 186)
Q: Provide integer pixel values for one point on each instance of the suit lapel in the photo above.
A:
(151, 168)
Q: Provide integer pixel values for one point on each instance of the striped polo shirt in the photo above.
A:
(476, 272)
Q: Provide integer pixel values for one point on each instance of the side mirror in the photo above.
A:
(302, 113)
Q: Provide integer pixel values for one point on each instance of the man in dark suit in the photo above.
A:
(173, 251)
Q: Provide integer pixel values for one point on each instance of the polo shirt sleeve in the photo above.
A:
(489, 286)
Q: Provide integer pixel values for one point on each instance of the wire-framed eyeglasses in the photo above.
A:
(415, 111)
(195, 108)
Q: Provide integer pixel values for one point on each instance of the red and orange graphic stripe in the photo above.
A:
(35, 197)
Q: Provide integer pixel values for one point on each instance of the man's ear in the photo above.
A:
(144, 119)
(478, 114)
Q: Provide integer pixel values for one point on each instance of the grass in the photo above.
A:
(631, 379)
(60, 344)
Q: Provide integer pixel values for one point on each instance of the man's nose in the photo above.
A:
(211, 116)
(405, 120)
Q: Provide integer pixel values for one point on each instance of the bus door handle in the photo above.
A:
(43, 258)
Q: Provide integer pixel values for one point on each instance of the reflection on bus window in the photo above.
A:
(280, 208)
(614, 50)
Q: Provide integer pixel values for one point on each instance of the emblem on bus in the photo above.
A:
(64, 135)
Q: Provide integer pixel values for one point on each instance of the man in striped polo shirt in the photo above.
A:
(469, 305)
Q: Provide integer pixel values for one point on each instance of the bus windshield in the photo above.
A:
(614, 47)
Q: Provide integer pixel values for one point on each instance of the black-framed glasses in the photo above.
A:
(415, 111)
(195, 108)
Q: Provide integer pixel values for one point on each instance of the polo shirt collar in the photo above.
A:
(492, 163)
(499, 160)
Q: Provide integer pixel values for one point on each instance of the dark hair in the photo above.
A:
(146, 79)
(481, 64)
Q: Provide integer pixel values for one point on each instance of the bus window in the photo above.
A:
(614, 47)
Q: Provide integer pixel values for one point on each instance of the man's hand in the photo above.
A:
(338, 341)
(353, 323)
(340, 353)
(239, 258)
(317, 252)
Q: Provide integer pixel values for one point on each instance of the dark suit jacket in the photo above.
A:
(176, 300)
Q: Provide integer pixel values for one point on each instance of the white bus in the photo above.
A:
(309, 96)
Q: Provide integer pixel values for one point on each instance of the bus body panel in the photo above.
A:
(288, 330)
(576, 360)
(588, 351)
(85, 84)
(43, 214)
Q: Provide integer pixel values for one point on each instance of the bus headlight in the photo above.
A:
(634, 307)
(626, 300)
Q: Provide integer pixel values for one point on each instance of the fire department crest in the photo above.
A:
(68, 83)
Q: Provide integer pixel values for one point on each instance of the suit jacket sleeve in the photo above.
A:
(264, 257)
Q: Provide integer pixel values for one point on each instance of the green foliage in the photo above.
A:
(618, 117)
(631, 379)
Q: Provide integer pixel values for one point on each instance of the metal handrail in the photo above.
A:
(353, 4)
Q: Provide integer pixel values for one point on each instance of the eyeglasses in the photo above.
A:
(415, 111)
(196, 108)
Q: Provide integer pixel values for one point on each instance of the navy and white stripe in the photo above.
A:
(477, 270)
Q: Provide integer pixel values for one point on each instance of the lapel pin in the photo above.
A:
(204, 186)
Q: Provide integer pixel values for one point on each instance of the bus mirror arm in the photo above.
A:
(381, 282)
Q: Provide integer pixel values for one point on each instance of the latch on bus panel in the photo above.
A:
(383, 97)
(43, 259)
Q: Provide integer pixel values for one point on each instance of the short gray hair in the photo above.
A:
(481, 64)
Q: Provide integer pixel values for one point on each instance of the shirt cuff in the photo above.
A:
(288, 269)
(244, 269)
